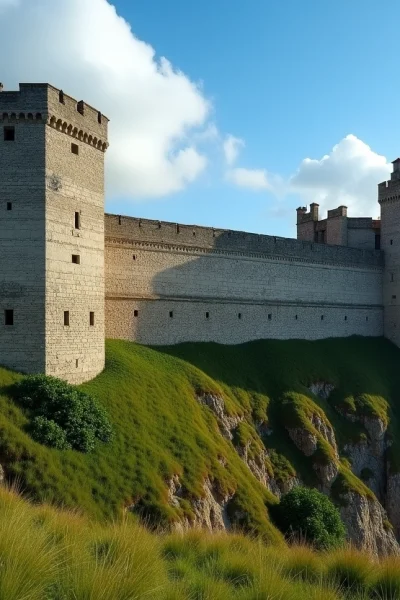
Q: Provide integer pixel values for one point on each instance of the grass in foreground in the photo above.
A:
(48, 554)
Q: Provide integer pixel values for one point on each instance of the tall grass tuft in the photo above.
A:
(386, 585)
(350, 569)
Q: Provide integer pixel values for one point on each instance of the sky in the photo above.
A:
(226, 113)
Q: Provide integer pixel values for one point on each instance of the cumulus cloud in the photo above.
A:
(347, 175)
(83, 46)
(232, 146)
(253, 179)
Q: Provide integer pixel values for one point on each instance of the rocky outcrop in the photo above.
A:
(393, 501)
(368, 463)
(306, 441)
(209, 510)
(1, 474)
(322, 389)
(367, 525)
(226, 422)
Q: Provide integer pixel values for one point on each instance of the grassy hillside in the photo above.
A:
(47, 554)
(162, 430)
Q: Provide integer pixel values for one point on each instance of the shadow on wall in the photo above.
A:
(219, 286)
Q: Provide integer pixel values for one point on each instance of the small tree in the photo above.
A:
(312, 516)
(62, 416)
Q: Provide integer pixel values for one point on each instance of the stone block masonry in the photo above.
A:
(168, 283)
(52, 204)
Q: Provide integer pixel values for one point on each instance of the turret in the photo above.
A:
(389, 200)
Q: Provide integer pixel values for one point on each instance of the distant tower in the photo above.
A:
(51, 233)
(389, 199)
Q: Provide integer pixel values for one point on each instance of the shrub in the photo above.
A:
(62, 415)
(46, 431)
(311, 516)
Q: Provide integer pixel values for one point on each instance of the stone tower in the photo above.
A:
(51, 233)
(389, 200)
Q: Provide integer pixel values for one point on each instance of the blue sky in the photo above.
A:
(284, 81)
(290, 78)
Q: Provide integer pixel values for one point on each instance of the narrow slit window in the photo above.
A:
(345, 318)
(239, 315)
(9, 134)
(295, 317)
(9, 205)
(171, 314)
(91, 319)
(76, 259)
(366, 318)
(61, 97)
(391, 277)
(77, 363)
(66, 318)
(270, 317)
(135, 313)
(133, 256)
(207, 315)
(77, 220)
(9, 317)
(322, 317)
(74, 148)
(99, 117)
(391, 242)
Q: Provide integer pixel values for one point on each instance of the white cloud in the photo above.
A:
(82, 46)
(254, 179)
(231, 149)
(348, 175)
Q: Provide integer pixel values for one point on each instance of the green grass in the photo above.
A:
(161, 429)
(49, 554)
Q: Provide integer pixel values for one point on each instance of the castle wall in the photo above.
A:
(22, 239)
(167, 283)
(43, 183)
(389, 197)
(74, 183)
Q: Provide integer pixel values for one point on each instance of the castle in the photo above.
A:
(71, 276)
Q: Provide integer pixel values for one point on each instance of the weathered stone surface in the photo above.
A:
(393, 501)
(367, 527)
(322, 389)
(226, 422)
(210, 510)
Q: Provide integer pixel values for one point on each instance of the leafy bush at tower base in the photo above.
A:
(308, 515)
(62, 416)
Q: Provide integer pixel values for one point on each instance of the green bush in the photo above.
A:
(62, 416)
(48, 432)
(311, 516)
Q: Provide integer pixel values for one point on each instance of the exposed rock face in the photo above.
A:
(307, 443)
(258, 466)
(393, 501)
(1, 474)
(367, 525)
(217, 405)
(256, 463)
(322, 389)
(368, 456)
(209, 510)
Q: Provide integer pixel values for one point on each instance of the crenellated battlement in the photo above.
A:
(41, 102)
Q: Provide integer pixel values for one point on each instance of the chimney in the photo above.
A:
(314, 211)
